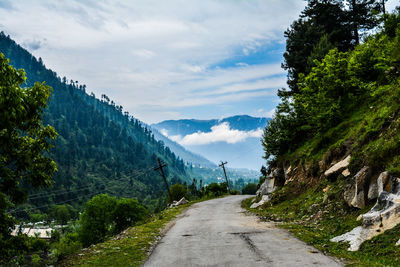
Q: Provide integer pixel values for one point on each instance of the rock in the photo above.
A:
(288, 172)
(383, 216)
(264, 199)
(338, 167)
(361, 179)
(270, 184)
(373, 191)
(384, 182)
(182, 201)
(355, 237)
(178, 203)
(349, 193)
(326, 189)
(346, 172)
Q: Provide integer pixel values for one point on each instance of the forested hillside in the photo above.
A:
(333, 145)
(99, 149)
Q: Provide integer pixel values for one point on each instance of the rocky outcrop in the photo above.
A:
(361, 187)
(264, 199)
(385, 183)
(274, 180)
(339, 167)
(383, 216)
(373, 191)
(182, 201)
(271, 183)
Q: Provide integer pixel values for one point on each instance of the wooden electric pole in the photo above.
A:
(226, 178)
(160, 167)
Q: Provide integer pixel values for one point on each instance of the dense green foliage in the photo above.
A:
(348, 103)
(23, 143)
(322, 26)
(105, 215)
(337, 87)
(249, 189)
(178, 191)
(215, 189)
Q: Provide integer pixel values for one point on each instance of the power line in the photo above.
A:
(81, 188)
(90, 194)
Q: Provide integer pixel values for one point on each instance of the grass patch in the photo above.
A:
(315, 221)
(129, 248)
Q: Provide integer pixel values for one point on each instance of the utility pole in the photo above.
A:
(160, 167)
(223, 167)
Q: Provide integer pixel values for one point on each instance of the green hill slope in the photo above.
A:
(334, 150)
(100, 148)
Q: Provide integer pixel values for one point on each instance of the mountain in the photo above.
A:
(181, 152)
(99, 149)
(190, 126)
(234, 139)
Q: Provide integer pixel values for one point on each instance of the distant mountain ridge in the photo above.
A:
(245, 151)
(181, 152)
(189, 126)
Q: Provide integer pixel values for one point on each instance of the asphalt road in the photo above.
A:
(219, 233)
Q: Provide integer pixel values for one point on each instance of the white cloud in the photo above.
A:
(175, 138)
(156, 53)
(219, 133)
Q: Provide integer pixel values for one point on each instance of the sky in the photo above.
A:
(161, 60)
(203, 59)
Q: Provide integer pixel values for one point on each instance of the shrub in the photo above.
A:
(178, 191)
(216, 189)
(105, 215)
(97, 221)
(67, 245)
(249, 189)
(127, 212)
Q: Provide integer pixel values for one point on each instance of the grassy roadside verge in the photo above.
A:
(129, 248)
(315, 224)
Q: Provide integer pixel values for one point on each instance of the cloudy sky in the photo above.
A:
(162, 59)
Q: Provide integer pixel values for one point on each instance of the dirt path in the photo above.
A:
(218, 233)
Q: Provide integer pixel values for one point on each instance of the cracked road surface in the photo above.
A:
(218, 233)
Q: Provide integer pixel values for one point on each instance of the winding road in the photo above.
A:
(219, 233)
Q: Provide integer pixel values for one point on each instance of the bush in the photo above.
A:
(97, 221)
(127, 212)
(249, 189)
(178, 191)
(67, 245)
(105, 215)
(37, 245)
(216, 189)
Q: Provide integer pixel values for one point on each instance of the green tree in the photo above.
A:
(178, 191)
(249, 189)
(97, 219)
(62, 214)
(362, 15)
(127, 212)
(217, 189)
(319, 19)
(23, 140)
